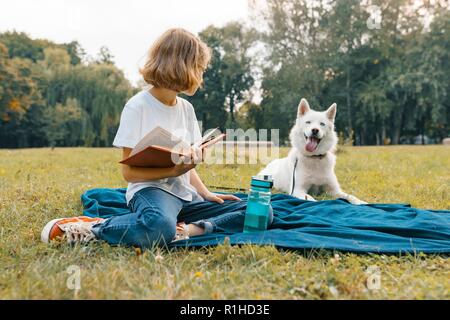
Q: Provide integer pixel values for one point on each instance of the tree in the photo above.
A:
(391, 81)
(18, 91)
(238, 79)
(105, 56)
(296, 62)
(21, 46)
(432, 77)
(345, 33)
(75, 51)
(65, 124)
(401, 96)
(55, 58)
(51, 97)
(101, 90)
(229, 76)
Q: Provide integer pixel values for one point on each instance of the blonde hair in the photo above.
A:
(176, 61)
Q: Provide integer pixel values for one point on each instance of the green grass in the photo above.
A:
(37, 185)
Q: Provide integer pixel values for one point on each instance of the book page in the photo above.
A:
(162, 138)
(208, 137)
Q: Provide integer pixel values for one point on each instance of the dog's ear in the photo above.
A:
(303, 108)
(331, 112)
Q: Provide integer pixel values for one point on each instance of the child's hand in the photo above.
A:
(185, 164)
(219, 198)
(196, 154)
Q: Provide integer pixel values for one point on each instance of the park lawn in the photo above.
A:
(37, 185)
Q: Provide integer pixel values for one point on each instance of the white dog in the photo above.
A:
(310, 163)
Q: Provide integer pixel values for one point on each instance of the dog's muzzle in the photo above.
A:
(312, 142)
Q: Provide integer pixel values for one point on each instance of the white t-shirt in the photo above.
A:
(141, 114)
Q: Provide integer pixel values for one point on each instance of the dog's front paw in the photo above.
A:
(350, 198)
(357, 201)
(309, 198)
(303, 196)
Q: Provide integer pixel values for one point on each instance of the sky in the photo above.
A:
(127, 28)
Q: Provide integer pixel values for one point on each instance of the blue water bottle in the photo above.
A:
(259, 210)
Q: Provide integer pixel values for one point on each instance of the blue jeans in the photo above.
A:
(155, 214)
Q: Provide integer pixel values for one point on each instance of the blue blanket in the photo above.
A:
(328, 224)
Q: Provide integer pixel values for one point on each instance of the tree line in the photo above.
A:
(50, 97)
(385, 63)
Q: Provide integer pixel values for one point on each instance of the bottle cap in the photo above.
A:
(262, 181)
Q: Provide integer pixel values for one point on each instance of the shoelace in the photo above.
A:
(78, 232)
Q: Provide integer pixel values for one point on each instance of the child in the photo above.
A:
(161, 197)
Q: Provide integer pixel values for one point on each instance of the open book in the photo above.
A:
(159, 148)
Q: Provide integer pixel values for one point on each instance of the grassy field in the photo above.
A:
(37, 185)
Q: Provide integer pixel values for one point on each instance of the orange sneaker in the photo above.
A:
(75, 229)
